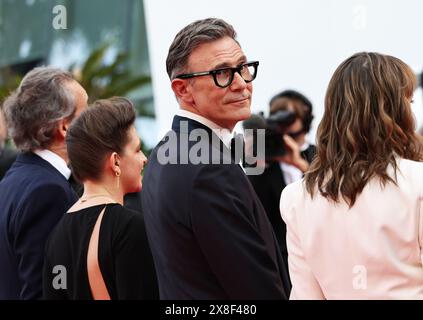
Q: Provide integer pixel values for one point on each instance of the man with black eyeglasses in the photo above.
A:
(208, 231)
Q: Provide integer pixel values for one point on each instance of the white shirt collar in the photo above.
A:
(305, 146)
(55, 160)
(290, 173)
(224, 134)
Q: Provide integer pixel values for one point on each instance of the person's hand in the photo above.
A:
(293, 154)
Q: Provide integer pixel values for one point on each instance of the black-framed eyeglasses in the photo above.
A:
(223, 77)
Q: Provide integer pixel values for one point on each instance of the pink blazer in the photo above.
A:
(372, 251)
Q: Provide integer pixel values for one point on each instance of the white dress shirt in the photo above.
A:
(373, 250)
(290, 172)
(56, 161)
(224, 134)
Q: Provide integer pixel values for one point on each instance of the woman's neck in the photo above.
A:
(101, 191)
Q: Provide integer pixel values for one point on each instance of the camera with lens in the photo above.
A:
(275, 127)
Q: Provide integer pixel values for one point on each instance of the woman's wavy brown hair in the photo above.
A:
(367, 123)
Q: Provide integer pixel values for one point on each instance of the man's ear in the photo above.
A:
(182, 90)
(62, 128)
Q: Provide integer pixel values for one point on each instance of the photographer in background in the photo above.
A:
(300, 152)
(283, 168)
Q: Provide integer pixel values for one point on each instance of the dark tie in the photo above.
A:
(237, 148)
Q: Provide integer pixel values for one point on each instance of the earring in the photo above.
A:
(117, 173)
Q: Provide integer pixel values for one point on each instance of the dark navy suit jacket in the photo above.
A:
(33, 198)
(209, 234)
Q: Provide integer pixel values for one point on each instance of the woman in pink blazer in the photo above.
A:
(355, 223)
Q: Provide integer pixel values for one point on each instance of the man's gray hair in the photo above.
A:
(192, 36)
(33, 110)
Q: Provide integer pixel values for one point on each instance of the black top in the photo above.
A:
(124, 255)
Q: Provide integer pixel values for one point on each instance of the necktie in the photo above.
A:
(237, 148)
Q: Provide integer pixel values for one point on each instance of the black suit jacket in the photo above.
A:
(269, 186)
(33, 198)
(208, 232)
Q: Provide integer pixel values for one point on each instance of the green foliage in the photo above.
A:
(104, 81)
(8, 82)
(100, 80)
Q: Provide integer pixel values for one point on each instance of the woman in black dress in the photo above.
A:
(99, 250)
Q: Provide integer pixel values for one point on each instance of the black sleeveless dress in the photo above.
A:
(124, 255)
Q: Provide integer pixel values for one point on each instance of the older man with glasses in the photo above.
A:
(208, 231)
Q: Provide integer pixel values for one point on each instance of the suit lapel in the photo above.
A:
(214, 141)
